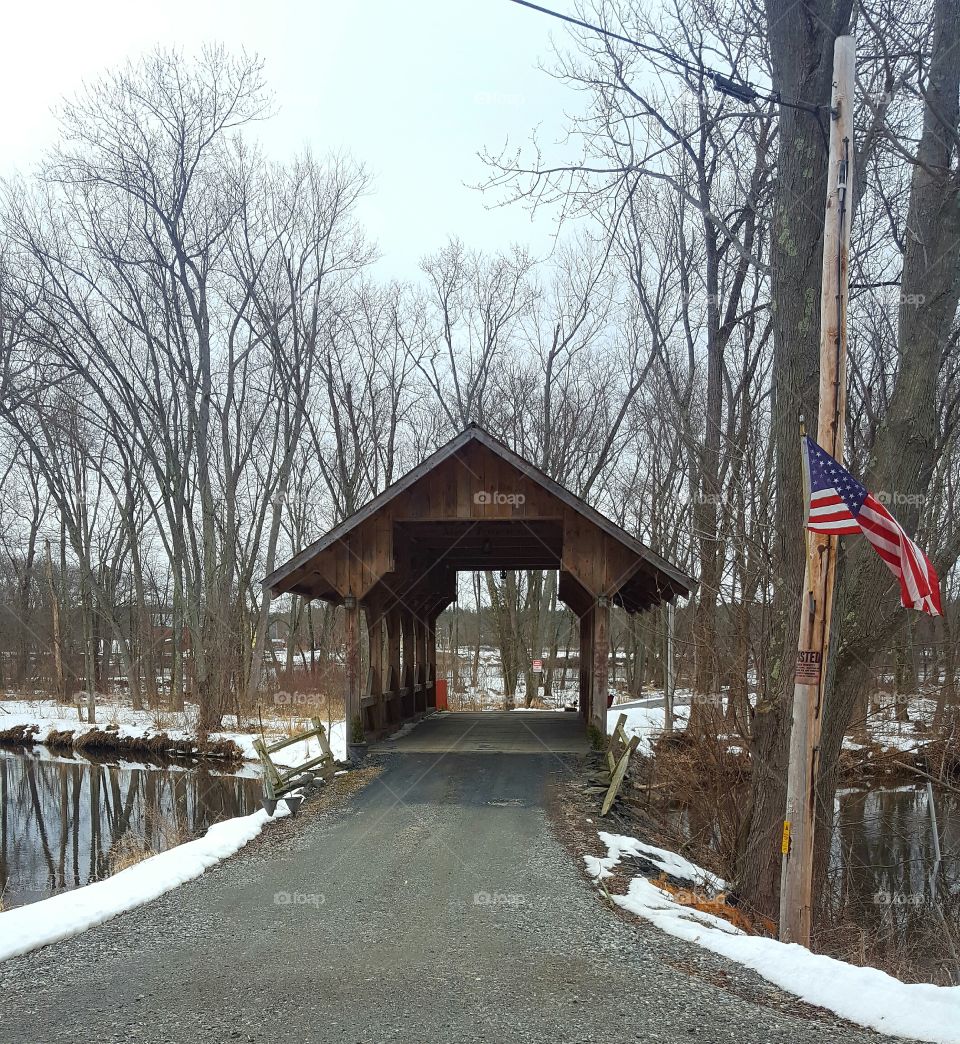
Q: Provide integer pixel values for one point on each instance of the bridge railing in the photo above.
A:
(279, 781)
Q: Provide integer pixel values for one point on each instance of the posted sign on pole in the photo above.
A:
(538, 666)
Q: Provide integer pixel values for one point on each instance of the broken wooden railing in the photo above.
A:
(280, 783)
(618, 754)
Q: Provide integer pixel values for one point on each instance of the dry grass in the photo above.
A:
(130, 848)
(127, 851)
(290, 712)
(695, 791)
(914, 952)
(19, 736)
(718, 906)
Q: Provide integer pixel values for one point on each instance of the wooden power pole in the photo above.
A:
(669, 679)
(814, 645)
(57, 643)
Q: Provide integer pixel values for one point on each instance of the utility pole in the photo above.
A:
(57, 643)
(796, 882)
(669, 679)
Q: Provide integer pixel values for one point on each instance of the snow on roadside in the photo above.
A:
(865, 996)
(669, 862)
(61, 916)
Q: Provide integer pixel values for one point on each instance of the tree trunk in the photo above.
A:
(801, 42)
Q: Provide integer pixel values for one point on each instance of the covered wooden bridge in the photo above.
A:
(472, 505)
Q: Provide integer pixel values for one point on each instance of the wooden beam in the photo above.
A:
(586, 664)
(351, 620)
(420, 662)
(374, 714)
(393, 662)
(431, 658)
(408, 678)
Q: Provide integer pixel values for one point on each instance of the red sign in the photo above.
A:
(538, 666)
(808, 666)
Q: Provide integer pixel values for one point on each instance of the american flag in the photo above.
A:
(839, 504)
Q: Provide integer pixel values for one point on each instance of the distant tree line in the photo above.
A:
(200, 372)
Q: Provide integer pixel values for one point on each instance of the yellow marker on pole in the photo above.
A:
(785, 840)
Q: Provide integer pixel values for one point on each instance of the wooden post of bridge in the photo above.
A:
(431, 659)
(586, 666)
(420, 663)
(351, 624)
(601, 664)
(392, 711)
(407, 659)
(375, 635)
(797, 843)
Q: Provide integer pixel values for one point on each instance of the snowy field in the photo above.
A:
(50, 716)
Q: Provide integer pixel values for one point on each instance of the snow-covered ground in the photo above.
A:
(69, 913)
(866, 996)
(647, 722)
(50, 716)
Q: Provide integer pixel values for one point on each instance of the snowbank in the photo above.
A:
(866, 996)
(69, 913)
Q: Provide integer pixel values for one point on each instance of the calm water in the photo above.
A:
(66, 821)
(881, 863)
(880, 895)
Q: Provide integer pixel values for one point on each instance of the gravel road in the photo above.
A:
(433, 904)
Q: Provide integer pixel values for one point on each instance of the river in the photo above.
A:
(67, 820)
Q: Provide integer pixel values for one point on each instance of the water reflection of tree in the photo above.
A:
(880, 899)
(877, 907)
(60, 820)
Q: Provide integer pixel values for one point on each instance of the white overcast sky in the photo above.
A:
(412, 89)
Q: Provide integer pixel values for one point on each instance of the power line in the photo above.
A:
(613, 36)
(735, 88)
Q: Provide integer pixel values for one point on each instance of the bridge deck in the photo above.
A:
(495, 732)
